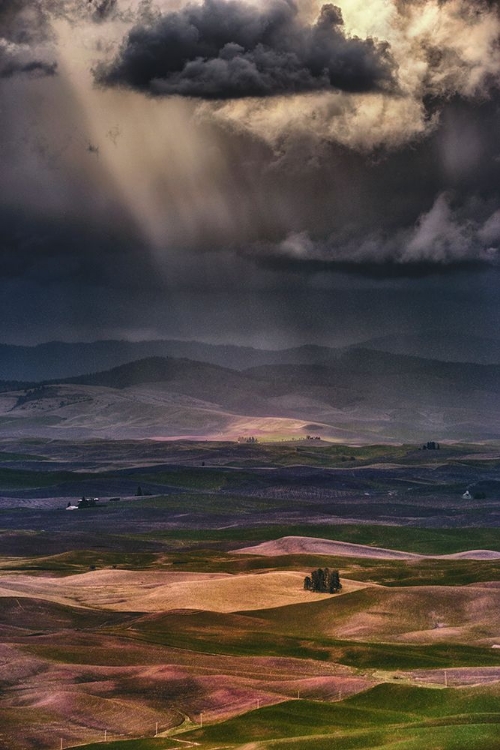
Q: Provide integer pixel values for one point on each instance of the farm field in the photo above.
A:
(177, 616)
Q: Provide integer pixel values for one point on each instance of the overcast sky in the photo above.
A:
(267, 172)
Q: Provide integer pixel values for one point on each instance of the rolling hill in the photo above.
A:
(358, 395)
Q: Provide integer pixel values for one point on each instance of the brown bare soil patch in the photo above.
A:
(298, 545)
(473, 554)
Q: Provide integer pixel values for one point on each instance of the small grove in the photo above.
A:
(323, 580)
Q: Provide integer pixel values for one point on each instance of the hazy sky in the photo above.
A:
(264, 172)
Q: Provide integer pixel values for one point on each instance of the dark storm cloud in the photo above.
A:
(12, 67)
(224, 50)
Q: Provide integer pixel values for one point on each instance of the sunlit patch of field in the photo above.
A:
(155, 591)
(273, 429)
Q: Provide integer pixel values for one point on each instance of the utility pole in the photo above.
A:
(156, 731)
(61, 744)
(201, 719)
(105, 735)
(445, 678)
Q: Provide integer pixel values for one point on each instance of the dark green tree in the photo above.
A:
(324, 581)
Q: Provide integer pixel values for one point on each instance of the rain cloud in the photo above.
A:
(224, 49)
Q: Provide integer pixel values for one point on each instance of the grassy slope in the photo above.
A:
(376, 718)
(388, 716)
(302, 631)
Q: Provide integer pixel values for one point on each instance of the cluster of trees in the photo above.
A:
(431, 445)
(323, 580)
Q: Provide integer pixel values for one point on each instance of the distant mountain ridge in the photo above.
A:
(58, 359)
(349, 363)
(443, 345)
(150, 370)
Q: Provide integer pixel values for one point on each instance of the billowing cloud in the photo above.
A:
(441, 50)
(442, 237)
(223, 49)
